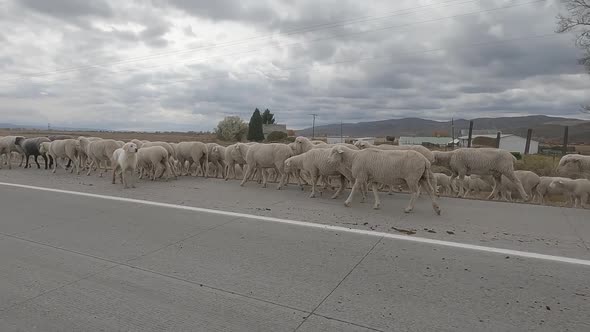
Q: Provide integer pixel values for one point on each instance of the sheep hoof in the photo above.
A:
(312, 195)
(334, 197)
(347, 204)
(376, 207)
(408, 210)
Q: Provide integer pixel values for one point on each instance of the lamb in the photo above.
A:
(418, 148)
(65, 149)
(482, 161)
(30, 147)
(169, 149)
(574, 166)
(316, 162)
(8, 145)
(217, 158)
(528, 179)
(444, 182)
(125, 159)
(154, 158)
(478, 184)
(262, 156)
(101, 151)
(387, 167)
(543, 190)
(578, 188)
(193, 152)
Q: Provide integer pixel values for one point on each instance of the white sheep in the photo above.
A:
(477, 184)
(443, 184)
(574, 166)
(171, 153)
(125, 159)
(483, 161)
(8, 145)
(83, 153)
(137, 142)
(234, 157)
(217, 158)
(317, 163)
(65, 149)
(543, 190)
(577, 188)
(387, 167)
(303, 144)
(193, 152)
(261, 156)
(528, 179)
(99, 152)
(153, 158)
(418, 148)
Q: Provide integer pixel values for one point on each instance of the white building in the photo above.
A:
(439, 141)
(337, 139)
(508, 142)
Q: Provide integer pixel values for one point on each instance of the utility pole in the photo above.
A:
(48, 126)
(313, 126)
(341, 137)
(470, 134)
(453, 133)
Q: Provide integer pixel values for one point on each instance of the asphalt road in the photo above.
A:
(72, 262)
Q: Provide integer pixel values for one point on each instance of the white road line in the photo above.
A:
(518, 253)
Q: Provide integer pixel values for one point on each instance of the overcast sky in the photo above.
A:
(185, 64)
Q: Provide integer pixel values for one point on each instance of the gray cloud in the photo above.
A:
(129, 60)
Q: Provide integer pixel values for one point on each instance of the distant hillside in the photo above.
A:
(38, 127)
(545, 128)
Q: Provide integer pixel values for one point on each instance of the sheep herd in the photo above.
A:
(360, 166)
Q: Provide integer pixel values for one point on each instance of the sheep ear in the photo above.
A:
(339, 149)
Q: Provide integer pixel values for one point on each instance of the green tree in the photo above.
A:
(268, 117)
(255, 127)
(231, 128)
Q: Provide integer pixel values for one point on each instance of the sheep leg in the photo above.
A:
(114, 175)
(314, 181)
(248, 172)
(342, 185)
(264, 177)
(45, 159)
(36, 161)
(496, 189)
(55, 162)
(355, 187)
(377, 204)
(414, 195)
(284, 178)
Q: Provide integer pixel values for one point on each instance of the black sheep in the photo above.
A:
(31, 148)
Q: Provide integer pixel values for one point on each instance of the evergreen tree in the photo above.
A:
(268, 117)
(255, 127)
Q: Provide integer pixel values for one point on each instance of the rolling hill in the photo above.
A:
(545, 128)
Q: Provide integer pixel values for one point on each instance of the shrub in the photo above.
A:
(231, 128)
(276, 136)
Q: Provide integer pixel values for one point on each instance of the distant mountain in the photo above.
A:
(39, 127)
(545, 128)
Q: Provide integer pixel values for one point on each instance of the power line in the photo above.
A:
(237, 42)
(336, 36)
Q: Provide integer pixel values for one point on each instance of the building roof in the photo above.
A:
(408, 140)
(487, 135)
(494, 136)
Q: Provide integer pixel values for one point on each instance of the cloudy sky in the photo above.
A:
(185, 64)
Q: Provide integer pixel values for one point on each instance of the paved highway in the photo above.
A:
(260, 260)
